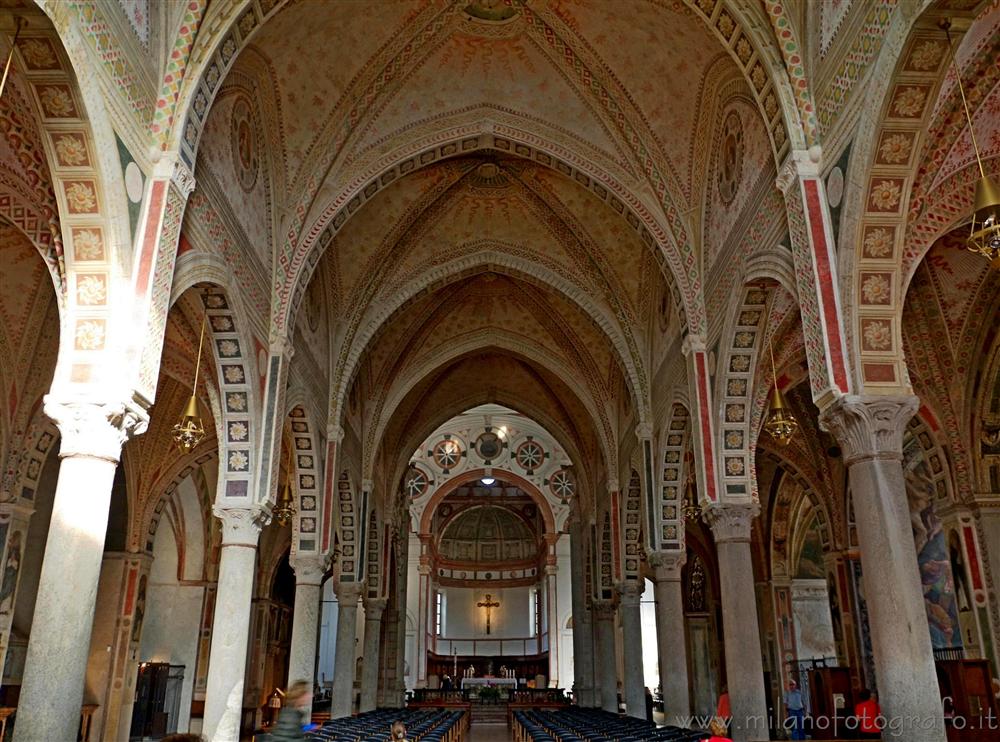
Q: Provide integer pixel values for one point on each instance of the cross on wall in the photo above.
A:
(489, 604)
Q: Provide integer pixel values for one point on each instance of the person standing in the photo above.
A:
(722, 709)
(290, 724)
(795, 708)
(869, 715)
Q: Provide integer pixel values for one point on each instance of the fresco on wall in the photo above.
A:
(810, 561)
(932, 549)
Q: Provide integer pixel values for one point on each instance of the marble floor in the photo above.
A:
(490, 733)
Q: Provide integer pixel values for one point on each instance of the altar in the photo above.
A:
(483, 682)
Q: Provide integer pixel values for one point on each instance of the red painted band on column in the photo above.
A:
(706, 424)
(616, 537)
(157, 199)
(328, 484)
(970, 549)
(130, 590)
(824, 279)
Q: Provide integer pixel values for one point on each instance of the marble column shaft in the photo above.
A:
(370, 664)
(305, 620)
(583, 626)
(348, 594)
(634, 686)
(870, 432)
(552, 619)
(670, 635)
(423, 620)
(231, 624)
(744, 666)
(607, 662)
(58, 649)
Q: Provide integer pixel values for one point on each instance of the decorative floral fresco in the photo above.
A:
(932, 548)
(743, 158)
(137, 12)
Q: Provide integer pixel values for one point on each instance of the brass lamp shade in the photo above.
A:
(285, 510)
(984, 235)
(781, 423)
(190, 431)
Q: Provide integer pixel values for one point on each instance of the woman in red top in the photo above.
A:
(868, 714)
(718, 729)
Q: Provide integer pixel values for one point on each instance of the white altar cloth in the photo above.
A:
(481, 682)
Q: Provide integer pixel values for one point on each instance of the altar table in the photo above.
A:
(482, 682)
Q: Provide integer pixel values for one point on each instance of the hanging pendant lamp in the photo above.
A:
(190, 431)
(781, 423)
(984, 230)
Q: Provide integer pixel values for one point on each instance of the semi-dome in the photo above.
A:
(487, 534)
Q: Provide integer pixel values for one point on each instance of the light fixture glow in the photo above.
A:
(488, 481)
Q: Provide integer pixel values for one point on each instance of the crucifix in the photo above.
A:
(488, 604)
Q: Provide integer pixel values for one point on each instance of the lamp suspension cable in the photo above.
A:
(19, 23)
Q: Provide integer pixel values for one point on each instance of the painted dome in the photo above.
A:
(487, 534)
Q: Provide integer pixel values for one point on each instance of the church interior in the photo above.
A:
(536, 370)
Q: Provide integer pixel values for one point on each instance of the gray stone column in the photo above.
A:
(424, 607)
(305, 620)
(231, 625)
(870, 432)
(552, 619)
(607, 662)
(670, 635)
(744, 667)
(56, 665)
(370, 652)
(348, 593)
(583, 626)
(634, 686)
(987, 517)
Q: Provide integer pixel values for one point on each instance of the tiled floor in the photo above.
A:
(490, 733)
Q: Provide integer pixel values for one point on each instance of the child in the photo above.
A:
(398, 732)
(718, 729)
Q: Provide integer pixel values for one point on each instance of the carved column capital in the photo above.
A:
(242, 526)
(96, 429)
(374, 607)
(731, 522)
(667, 565)
(604, 610)
(309, 570)
(869, 427)
(631, 593)
(182, 177)
(693, 344)
(644, 431)
(348, 593)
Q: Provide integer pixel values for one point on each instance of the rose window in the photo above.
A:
(562, 484)
(447, 453)
(416, 483)
(529, 455)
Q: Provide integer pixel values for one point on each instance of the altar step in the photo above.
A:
(489, 713)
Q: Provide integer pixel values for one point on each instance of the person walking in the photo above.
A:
(291, 722)
(795, 708)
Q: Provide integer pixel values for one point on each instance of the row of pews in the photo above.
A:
(593, 725)
(422, 725)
